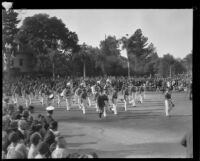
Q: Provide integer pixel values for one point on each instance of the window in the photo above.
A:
(21, 62)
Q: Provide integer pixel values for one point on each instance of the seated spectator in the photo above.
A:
(61, 148)
(43, 151)
(34, 140)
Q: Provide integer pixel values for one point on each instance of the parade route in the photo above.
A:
(141, 132)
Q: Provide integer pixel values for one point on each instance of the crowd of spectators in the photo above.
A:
(25, 135)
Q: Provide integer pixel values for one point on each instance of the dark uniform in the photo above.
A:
(101, 104)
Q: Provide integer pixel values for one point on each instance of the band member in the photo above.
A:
(114, 101)
(97, 93)
(102, 101)
(84, 101)
(126, 98)
(133, 95)
(144, 91)
(89, 94)
(58, 94)
(50, 96)
(141, 90)
(42, 95)
(78, 92)
(68, 97)
(168, 102)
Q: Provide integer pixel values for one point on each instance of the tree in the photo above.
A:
(9, 30)
(83, 57)
(111, 53)
(187, 61)
(46, 35)
(166, 65)
(140, 54)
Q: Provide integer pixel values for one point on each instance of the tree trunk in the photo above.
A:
(84, 70)
(7, 67)
(53, 71)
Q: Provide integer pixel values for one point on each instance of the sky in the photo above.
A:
(170, 30)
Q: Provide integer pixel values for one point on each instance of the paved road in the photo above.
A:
(143, 131)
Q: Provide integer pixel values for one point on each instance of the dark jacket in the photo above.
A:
(49, 138)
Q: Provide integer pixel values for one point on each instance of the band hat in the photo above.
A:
(50, 108)
(51, 96)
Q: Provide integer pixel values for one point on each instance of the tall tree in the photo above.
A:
(166, 65)
(139, 52)
(111, 53)
(188, 62)
(9, 29)
(46, 35)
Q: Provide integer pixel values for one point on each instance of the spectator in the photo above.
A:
(16, 150)
(187, 142)
(22, 127)
(43, 150)
(50, 135)
(4, 144)
(35, 140)
(12, 127)
(61, 148)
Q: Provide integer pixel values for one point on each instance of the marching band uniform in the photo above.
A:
(126, 96)
(89, 93)
(78, 96)
(97, 91)
(84, 102)
(68, 95)
(114, 101)
(102, 101)
(141, 90)
(168, 103)
(133, 92)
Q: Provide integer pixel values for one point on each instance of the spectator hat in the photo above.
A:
(51, 96)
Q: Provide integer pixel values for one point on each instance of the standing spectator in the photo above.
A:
(49, 117)
(187, 142)
(50, 135)
(35, 140)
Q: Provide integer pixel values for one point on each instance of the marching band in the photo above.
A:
(90, 93)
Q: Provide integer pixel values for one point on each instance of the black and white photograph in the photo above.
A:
(97, 83)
